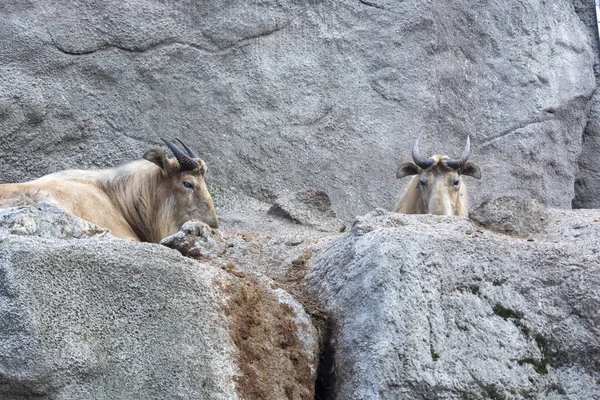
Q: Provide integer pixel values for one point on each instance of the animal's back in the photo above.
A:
(74, 191)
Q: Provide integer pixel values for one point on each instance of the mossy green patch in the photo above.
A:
(507, 313)
(541, 365)
(434, 356)
(493, 393)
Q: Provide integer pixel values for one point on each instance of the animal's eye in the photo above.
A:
(188, 185)
(422, 183)
(456, 183)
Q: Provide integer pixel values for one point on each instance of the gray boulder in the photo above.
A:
(307, 207)
(110, 319)
(426, 307)
(105, 318)
(46, 220)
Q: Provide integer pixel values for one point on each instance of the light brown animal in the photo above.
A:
(144, 200)
(437, 187)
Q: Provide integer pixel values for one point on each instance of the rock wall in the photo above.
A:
(415, 307)
(279, 96)
(303, 111)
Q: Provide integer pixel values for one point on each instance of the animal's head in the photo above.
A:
(438, 183)
(183, 187)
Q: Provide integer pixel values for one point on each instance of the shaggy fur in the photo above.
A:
(142, 200)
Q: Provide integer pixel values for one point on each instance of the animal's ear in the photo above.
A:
(157, 157)
(406, 169)
(470, 169)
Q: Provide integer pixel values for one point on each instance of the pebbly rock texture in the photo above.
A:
(277, 340)
(426, 307)
(46, 220)
(277, 256)
(307, 207)
(512, 215)
(105, 318)
(109, 319)
(278, 96)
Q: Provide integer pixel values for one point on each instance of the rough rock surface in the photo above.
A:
(276, 342)
(46, 220)
(307, 207)
(277, 256)
(107, 318)
(278, 96)
(587, 185)
(427, 307)
(277, 262)
(512, 215)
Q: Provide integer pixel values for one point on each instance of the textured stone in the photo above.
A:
(105, 318)
(109, 319)
(428, 307)
(276, 342)
(46, 220)
(587, 185)
(513, 216)
(307, 207)
(281, 257)
(261, 262)
(278, 96)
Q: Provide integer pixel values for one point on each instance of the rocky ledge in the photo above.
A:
(398, 306)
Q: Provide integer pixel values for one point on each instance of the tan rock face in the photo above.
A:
(273, 359)
(276, 341)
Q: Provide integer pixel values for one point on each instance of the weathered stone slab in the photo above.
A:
(434, 307)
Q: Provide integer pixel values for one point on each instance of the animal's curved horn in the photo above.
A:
(185, 163)
(420, 161)
(188, 149)
(456, 164)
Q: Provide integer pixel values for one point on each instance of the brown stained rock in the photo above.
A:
(271, 322)
(275, 362)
